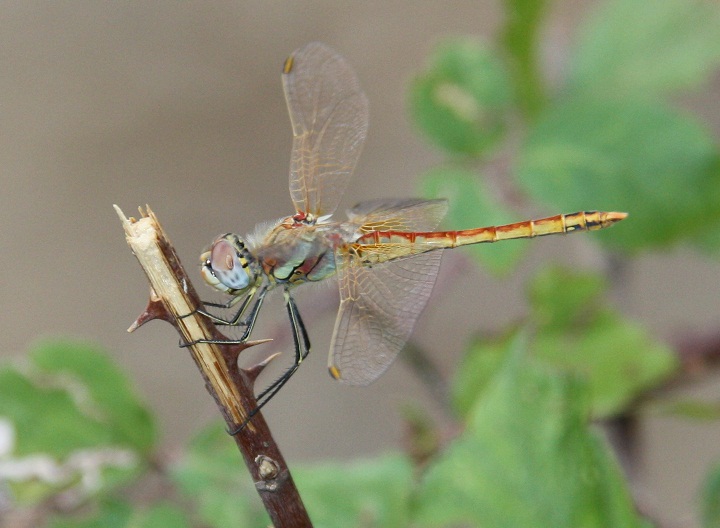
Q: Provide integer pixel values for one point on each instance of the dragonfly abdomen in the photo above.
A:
(382, 246)
(552, 225)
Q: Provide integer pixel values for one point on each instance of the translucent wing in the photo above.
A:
(329, 115)
(378, 310)
(398, 215)
(379, 305)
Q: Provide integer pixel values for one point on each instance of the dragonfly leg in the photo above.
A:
(302, 349)
(235, 320)
(248, 322)
(219, 320)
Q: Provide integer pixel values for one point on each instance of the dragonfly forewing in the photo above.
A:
(329, 115)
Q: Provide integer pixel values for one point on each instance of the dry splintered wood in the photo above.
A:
(149, 245)
(173, 296)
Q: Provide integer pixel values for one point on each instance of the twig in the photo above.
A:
(418, 359)
(172, 296)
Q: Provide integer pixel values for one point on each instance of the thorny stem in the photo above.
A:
(172, 295)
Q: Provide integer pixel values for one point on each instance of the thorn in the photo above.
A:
(253, 372)
(231, 353)
(155, 309)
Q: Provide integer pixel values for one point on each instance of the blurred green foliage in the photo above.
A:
(463, 99)
(523, 20)
(529, 427)
(710, 500)
(631, 155)
(574, 331)
(527, 457)
(608, 137)
(72, 424)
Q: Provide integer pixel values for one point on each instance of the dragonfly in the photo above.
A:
(386, 255)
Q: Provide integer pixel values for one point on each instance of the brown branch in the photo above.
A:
(172, 295)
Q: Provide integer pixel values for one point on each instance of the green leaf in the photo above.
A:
(213, 476)
(472, 206)
(111, 514)
(58, 449)
(707, 241)
(640, 157)
(476, 370)
(575, 332)
(710, 500)
(690, 409)
(64, 423)
(164, 515)
(561, 299)
(462, 99)
(527, 458)
(110, 392)
(120, 514)
(641, 48)
(46, 418)
(519, 38)
(372, 492)
(617, 357)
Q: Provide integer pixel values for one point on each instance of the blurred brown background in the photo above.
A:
(180, 105)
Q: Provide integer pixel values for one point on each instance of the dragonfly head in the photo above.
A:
(226, 266)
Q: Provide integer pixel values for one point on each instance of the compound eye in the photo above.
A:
(222, 256)
(227, 266)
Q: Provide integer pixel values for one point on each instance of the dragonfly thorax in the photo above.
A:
(228, 266)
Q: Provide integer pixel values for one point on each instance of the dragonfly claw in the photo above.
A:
(233, 432)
